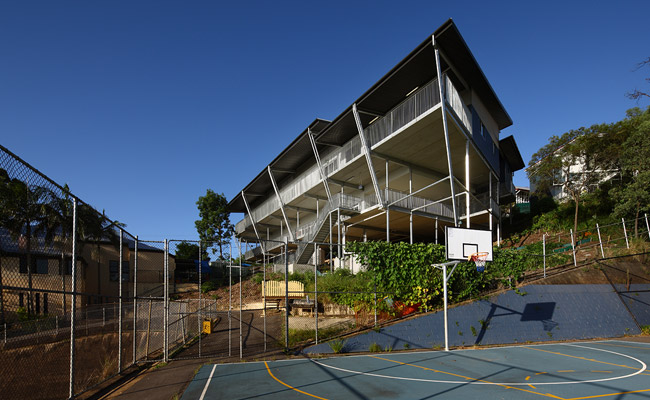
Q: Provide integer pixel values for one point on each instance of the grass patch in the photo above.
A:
(374, 348)
(645, 329)
(297, 336)
(337, 346)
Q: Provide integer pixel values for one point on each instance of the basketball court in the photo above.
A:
(613, 369)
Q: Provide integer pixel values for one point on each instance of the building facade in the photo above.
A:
(418, 151)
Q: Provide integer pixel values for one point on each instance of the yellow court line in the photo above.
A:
(289, 386)
(527, 378)
(580, 358)
(609, 394)
(468, 378)
(567, 370)
(605, 372)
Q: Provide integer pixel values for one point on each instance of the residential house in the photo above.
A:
(399, 164)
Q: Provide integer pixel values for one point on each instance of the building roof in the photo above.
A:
(511, 152)
(415, 70)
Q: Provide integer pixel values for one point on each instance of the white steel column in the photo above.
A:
(320, 167)
(366, 150)
(443, 107)
(387, 206)
(277, 193)
(250, 215)
(491, 210)
(467, 208)
(410, 203)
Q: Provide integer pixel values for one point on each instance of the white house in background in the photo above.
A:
(421, 149)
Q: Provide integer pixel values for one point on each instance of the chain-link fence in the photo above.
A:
(82, 300)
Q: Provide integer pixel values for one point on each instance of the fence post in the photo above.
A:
(647, 225)
(286, 293)
(230, 303)
(600, 241)
(119, 318)
(166, 303)
(544, 252)
(56, 318)
(241, 338)
(264, 292)
(573, 247)
(103, 316)
(316, 288)
(627, 243)
(200, 316)
(135, 299)
(74, 295)
(5, 333)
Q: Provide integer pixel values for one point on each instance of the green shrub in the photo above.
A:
(374, 348)
(337, 346)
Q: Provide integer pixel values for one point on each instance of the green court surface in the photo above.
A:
(591, 370)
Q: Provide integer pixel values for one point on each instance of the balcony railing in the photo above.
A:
(408, 110)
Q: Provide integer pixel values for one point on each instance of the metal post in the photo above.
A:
(338, 227)
(103, 316)
(627, 243)
(241, 338)
(544, 249)
(166, 305)
(647, 225)
(6, 332)
(200, 316)
(387, 206)
(264, 291)
(444, 285)
(230, 303)
(410, 206)
(74, 295)
(443, 107)
(286, 293)
(600, 241)
(366, 151)
(119, 301)
(573, 248)
(467, 208)
(331, 266)
(56, 319)
(316, 289)
(135, 300)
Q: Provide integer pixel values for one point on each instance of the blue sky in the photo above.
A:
(141, 106)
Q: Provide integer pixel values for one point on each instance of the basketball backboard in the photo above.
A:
(462, 243)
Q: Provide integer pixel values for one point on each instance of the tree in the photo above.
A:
(25, 211)
(190, 251)
(633, 197)
(577, 161)
(214, 227)
(638, 94)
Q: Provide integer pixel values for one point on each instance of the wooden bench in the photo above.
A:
(274, 291)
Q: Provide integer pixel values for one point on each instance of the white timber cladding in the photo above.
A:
(485, 117)
(335, 159)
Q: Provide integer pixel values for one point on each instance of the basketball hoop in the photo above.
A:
(479, 259)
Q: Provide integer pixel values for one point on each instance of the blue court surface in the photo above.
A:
(613, 369)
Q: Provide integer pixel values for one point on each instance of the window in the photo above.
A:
(113, 270)
(65, 267)
(483, 130)
(41, 266)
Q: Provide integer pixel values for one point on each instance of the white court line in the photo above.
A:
(468, 382)
(205, 389)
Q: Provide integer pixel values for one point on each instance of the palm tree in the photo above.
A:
(25, 211)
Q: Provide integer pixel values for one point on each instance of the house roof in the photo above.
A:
(511, 152)
(415, 70)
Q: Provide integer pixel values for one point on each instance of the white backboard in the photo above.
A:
(463, 242)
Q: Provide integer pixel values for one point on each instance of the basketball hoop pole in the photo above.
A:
(445, 278)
